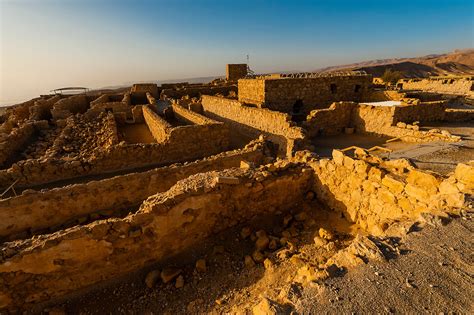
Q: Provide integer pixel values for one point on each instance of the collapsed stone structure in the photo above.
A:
(460, 85)
(113, 182)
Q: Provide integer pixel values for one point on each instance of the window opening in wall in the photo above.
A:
(333, 88)
(298, 106)
(357, 88)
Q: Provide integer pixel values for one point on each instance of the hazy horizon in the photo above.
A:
(50, 44)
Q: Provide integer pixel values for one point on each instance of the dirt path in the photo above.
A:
(434, 275)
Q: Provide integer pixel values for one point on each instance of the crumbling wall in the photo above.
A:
(329, 121)
(39, 210)
(392, 121)
(306, 93)
(448, 85)
(41, 110)
(167, 224)
(253, 121)
(151, 88)
(373, 193)
(69, 106)
(15, 141)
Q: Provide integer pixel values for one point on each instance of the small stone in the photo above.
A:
(249, 261)
(302, 216)
(169, 274)
(325, 234)
(152, 278)
(267, 307)
(219, 249)
(262, 243)
(319, 241)
(179, 282)
(201, 266)
(273, 244)
(245, 232)
(287, 219)
(258, 256)
(267, 263)
(309, 195)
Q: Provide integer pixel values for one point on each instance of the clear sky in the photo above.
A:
(47, 44)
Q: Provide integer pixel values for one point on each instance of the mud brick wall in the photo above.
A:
(330, 121)
(315, 93)
(166, 224)
(40, 210)
(236, 71)
(372, 193)
(70, 106)
(454, 85)
(253, 121)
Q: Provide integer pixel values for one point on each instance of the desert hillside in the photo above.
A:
(459, 62)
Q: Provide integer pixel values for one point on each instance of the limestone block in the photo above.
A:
(423, 180)
(375, 174)
(338, 157)
(386, 196)
(465, 174)
(394, 185)
(417, 192)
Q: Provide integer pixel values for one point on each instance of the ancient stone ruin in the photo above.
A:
(98, 186)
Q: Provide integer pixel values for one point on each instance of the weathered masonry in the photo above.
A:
(449, 85)
(236, 71)
(301, 95)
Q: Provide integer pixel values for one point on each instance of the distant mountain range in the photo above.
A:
(458, 62)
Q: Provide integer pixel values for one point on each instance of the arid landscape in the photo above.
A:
(343, 187)
(268, 194)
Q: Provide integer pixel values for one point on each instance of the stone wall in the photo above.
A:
(372, 192)
(392, 121)
(422, 112)
(236, 71)
(286, 94)
(166, 224)
(330, 121)
(184, 143)
(152, 88)
(71, 105)
(197, 91)
(455, 115)
(447, 85)
(159, 128)
(41, 110)
(252, 122)
(15, 141)
(39, 210)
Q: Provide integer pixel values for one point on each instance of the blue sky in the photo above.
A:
(47, 44)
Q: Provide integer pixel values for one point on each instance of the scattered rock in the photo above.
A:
(152, 278)
(169, 274)
(201, 266)
(268, 307)
(179, 282)
(325, 234)
(249, 261)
